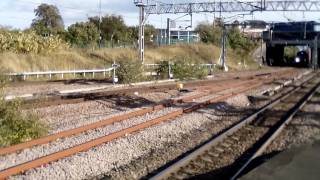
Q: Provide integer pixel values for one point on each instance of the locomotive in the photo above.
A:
(301, 59)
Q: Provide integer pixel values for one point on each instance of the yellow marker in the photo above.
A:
(179, 86)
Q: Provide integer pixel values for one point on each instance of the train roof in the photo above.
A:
(309, 26)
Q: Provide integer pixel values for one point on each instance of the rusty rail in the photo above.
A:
(85, 146)
(108, 121)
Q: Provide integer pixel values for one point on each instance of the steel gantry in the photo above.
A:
(234, 6)
(148, 7)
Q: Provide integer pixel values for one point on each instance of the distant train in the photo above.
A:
(301, 59)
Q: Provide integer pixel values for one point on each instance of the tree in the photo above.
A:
(83, 34)
(48, 20)
(149, 33)
(133, 33)
(209, 34)
(112, 27)
(238, 42)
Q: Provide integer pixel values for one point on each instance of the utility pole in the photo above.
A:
(169, 31)
(141, 5)
(100, 20)
(222, 59)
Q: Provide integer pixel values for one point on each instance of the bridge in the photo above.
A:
(281, 35)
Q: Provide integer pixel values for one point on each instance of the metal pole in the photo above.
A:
(169, 68)
(114, 78)
(100, 20)
(114, 75)
(222, 59)
(168, 31)
(141, 32)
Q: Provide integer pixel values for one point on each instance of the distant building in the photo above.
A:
(253, 28)
(176, 36)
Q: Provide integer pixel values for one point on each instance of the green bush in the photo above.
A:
(17, 126)
(130, 71)
(163, 69)
(186, 70)
(201, 72)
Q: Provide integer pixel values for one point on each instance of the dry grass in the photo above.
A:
(62, 60)
(90, 59)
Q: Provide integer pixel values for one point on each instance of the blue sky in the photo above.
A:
(19, 13)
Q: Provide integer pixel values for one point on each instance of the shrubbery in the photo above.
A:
(130, 71)
(187, 69)
(29, 42)
(163, 70)
(17, 126)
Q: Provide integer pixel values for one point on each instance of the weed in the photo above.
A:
(184, 69)
(17, 126)
(130, 71)
(163, 70)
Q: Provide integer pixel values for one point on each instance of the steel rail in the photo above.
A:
(118, 118)
(206, 90)
(108, 121)
(284, 121)
(90, 144)
(184, 161)
(79, 97)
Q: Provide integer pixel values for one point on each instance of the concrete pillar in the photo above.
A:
(315, 53)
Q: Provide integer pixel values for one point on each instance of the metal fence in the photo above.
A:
(92, 73)
(49, 74)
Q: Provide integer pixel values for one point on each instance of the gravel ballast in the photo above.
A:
(115, 154)
(109, 159)
(302, 129)
(55, 146)
(68, 116)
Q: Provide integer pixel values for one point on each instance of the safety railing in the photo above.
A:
(85, 73)
(50, 74)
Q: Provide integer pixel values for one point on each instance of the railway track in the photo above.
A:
(70, 98)
(188, 105)
(230, 153)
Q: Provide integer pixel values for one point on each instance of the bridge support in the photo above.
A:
(315, 52)
(274, 54)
